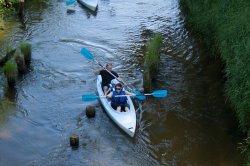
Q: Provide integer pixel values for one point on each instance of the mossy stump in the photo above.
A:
(147, 82)
(11, 79)
(74, 141)
(21, 9)
(21, 66)
(151, 61)
(26, 51)
(90, 111)
(10, 71)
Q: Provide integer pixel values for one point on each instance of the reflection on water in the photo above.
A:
(192, 126)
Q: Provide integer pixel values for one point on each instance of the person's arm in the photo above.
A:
(109, 95)
(107, 91)
(98, 71)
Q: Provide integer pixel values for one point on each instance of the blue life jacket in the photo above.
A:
(119, 100)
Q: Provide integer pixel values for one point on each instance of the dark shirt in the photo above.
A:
(107, 77)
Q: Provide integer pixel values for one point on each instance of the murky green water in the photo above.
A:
(192, 126)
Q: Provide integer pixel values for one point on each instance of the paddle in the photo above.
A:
(90, 97)
(139, 96)
(90, 56)
(157, 93)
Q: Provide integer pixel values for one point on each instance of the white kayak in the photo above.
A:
(91, 4)
(125, 120)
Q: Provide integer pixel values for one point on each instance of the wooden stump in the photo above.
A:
(11, 79)
(10, 71)
(21, 66)
(90, 111)
(21, 9)
(147, 82)
(74, 141)
(71, 11)
(26, 51)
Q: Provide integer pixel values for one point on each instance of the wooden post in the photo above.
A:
(74, 141)
(147, 81)
(90, 111)
(21, 9)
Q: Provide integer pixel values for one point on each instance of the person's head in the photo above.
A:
(109, 67)
(118, 87)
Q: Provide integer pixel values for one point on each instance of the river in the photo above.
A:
(194, 125)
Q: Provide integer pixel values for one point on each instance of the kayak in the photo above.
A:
(125, 120)
(91, 4)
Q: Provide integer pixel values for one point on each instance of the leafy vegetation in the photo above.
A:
(7, 7)
(225, 27)
(244, 147)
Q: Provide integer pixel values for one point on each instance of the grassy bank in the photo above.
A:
(224, 26)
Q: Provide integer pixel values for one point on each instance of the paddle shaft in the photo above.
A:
(111, 74)
(157, 93)
(88, 55)
(123, 95)
(148, 94)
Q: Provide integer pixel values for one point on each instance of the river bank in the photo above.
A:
(224, 27)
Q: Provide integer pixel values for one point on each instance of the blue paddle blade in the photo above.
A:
(89, 97)
(86, 54)
(160, 93)
(139, 96)
(70, 2)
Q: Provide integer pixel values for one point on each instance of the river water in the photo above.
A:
(193, 126)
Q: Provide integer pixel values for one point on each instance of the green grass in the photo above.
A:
(10, 71)
(152, 57)
(10, 67)
(225, 28)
